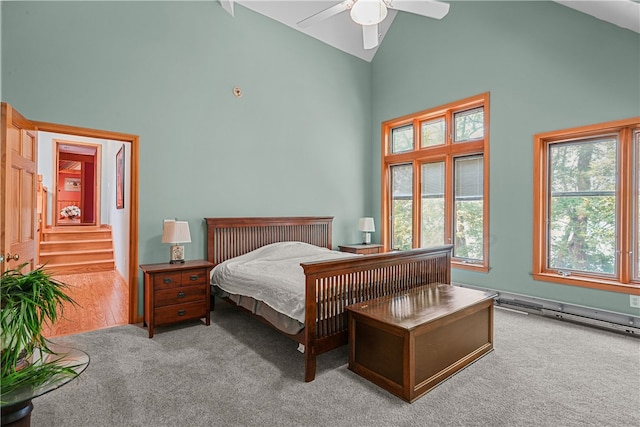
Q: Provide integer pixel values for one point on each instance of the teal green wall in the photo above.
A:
(305, 137)
(546, 67)
(296, 143)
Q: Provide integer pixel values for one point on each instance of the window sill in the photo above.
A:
(588, 282)
(469, 266)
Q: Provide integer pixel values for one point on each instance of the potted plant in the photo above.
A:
(28, 301)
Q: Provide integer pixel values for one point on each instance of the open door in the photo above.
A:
(18, 171)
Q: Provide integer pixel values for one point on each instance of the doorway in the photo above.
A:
(76, 183)
(123, 222)
(19, 222)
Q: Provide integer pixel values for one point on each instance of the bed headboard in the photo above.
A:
(231, 237)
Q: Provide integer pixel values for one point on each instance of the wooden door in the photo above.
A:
(18, 238)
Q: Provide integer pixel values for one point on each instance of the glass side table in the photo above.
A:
(17, 405)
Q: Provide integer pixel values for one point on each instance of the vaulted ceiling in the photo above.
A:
(342, 33)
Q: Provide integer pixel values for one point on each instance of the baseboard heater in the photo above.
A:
(618, 322)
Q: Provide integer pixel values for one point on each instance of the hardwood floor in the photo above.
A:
(103, 301)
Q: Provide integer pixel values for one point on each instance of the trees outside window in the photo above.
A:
(401, 206)
(587, 206)
(435, 180)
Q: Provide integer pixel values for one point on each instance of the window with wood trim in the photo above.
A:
(435, 181)
(587, 206)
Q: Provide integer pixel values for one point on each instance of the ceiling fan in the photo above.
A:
(369, 13)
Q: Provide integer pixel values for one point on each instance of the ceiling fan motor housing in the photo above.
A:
(368, 12)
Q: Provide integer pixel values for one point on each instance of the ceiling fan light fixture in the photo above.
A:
(368, 12)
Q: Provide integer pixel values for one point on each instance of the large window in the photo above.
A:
(435, 180)
(587, 204)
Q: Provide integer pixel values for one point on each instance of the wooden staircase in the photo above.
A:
(76, 249)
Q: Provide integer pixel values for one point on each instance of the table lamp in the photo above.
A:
(367, 226)
(176, 232)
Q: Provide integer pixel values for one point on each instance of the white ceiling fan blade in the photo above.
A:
(227, 5)
(370, 36)
(327, 13)
(429, 8)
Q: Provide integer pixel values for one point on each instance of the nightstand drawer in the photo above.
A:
(368, 251)
(194, 277)
(180, 295)
(179, 312)
(167, 280)
(362, 249)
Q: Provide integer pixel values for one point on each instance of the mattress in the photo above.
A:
(270, 282)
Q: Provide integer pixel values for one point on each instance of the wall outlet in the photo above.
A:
(634, 301)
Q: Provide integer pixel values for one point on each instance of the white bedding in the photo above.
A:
(272, 274)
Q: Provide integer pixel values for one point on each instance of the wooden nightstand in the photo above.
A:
(362, 249)
(176, 292)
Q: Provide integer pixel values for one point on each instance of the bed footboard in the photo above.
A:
(332, 285)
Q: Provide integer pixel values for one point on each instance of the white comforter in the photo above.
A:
(272, 274)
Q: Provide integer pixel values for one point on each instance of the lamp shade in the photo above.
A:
(368, 12)
(176, 232)
(366, 224)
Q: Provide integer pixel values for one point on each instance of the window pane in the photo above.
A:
(469, 125)
(402, 139)
(582, 206)
(432, 233)
(432, 133)
(402, 206)
(469, 207)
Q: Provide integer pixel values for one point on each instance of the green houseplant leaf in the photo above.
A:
(28, 301)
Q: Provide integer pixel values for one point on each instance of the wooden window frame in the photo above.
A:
(446, 152)
(624, 280)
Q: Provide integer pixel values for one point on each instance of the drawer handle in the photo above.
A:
(167, 280)
(182, 312)
(193, 277)
(181, 294)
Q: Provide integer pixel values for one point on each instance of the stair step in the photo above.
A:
(70, 229)
(76, 235)
(63, 245)
(76, 252)
(79, 267)
(70, 256)
(77, 249)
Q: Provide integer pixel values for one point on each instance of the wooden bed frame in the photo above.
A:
(330, 285)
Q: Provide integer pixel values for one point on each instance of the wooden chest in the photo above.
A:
(408, 343)
(176, 292)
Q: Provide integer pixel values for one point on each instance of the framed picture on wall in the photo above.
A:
(120, 178)
(72, 184)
